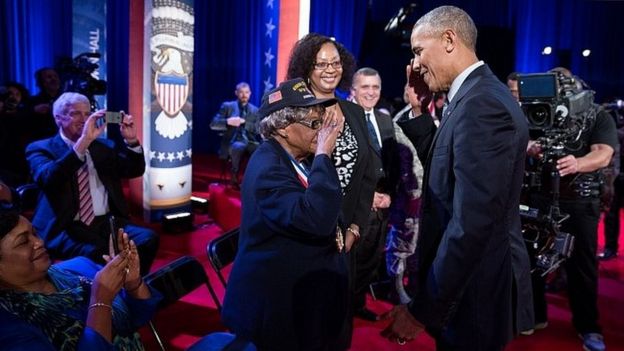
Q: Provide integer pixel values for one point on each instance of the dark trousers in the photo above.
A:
(93, 241)
(237, 150)
(581, 268)
(369, 254)
(612, 217)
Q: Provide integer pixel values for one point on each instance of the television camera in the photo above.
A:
(77, 75)
(558, 110)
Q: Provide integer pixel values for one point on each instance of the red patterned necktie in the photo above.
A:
(85, 214)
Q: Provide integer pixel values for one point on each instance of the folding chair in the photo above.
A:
(176, 280)
(222, 251)
(28, 196)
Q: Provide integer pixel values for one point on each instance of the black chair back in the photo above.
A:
(222, 251)
(176, 280)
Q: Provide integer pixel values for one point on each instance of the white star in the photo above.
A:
(161, 156)
(170, 156)
(268, 57)
(189, 152)
(190, 124)
(270, 27)
(152, 154)
(270, 3)
(267, 84)
(180, 155)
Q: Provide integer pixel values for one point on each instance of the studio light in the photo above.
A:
(547, 50)
(199, 204)
(586, 53)
(177, 222)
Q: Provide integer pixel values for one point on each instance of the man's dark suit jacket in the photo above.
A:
(249, 129)
(54, 167)
(470, 219)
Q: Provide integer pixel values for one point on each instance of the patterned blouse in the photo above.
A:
(345, 156)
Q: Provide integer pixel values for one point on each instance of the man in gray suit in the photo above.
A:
(237, 120)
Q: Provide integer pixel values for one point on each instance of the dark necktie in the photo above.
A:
(445, 110)
(372, 133)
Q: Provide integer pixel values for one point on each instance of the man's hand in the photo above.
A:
(403, 326)
(567, 165)
(381, 200)
(235, 121)
(128, 130)
(90, 132)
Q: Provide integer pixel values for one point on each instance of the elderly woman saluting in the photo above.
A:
(288, 286)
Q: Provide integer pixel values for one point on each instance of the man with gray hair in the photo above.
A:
(470, 249)
(80, 176)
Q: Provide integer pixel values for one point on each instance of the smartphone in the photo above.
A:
(113, 117)
(113, 233)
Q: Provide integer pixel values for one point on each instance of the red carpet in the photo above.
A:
(186, 321)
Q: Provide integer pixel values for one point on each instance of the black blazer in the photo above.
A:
(358, 197)
(468, 257)
(54, 165)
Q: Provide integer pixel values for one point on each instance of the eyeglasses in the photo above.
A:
(312, 124)
(323, 65)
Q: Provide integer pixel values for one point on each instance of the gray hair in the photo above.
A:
(285, 117)
(62, 104)
(365, 71)
(442, 18)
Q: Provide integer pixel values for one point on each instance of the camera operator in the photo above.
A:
(615, 200)
(578, 166)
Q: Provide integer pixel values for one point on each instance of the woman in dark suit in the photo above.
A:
(288, 288)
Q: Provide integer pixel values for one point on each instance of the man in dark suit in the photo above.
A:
(80, 177)
(366, 91)
(237, 120)
(468, 260)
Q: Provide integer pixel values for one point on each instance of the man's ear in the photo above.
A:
(450, 40)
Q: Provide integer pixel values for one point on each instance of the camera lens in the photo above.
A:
(539, 115)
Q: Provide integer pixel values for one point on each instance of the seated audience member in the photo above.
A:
(73, 305)
(14, 133)
(80, 177)
(288, 289)
(237, 120)
(42, 120)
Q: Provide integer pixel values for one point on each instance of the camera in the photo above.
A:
(558, 109)
(544, 240)
(77, 75)
(553, 100)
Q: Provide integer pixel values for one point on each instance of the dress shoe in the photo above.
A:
(607, 254)
(366, 314)
(537, 326)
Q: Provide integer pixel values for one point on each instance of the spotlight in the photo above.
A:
(547, 50)
(177, 222)
(586, 53)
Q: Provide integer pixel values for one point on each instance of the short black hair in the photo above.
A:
(513, 76)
